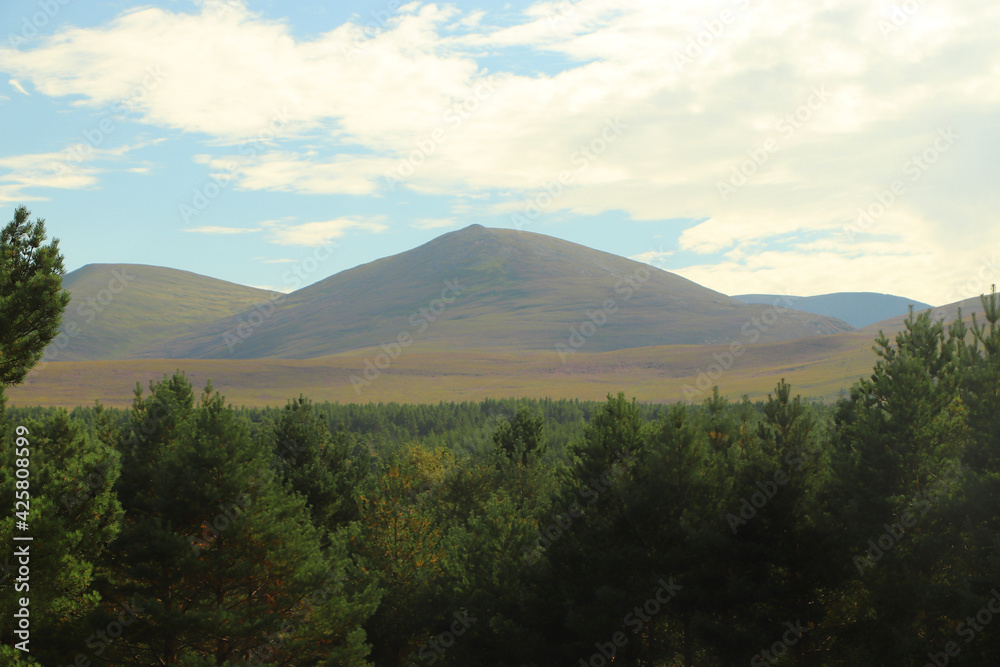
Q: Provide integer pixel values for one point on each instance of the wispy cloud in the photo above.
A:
(695, 116)
(651, 257)
(317, 233)
(436, 223)
(24, 173)
(18, 87)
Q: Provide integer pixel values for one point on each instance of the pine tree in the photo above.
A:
(220, 557)
(897, 472)
(73, 516)
(316, 463)
(401, 549)
(31, 296)
(520, 438)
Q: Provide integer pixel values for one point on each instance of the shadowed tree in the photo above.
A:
(222, 558)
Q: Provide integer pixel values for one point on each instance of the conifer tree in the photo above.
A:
(220, 557)
(520, 438)
(316, 463)
(31, 296)
(72, 516)
(897, 472)
(400, 547)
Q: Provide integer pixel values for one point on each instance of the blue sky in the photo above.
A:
(751, 146)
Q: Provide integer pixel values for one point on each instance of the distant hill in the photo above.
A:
(513, 289)
(125, 311)
(859, 309)
(948, 313)
(818, 367)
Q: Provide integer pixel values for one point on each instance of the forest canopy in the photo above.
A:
(524, 532)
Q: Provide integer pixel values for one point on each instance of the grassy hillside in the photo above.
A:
(511, 289)
(819, 367)
(118, 310)
(948, 313)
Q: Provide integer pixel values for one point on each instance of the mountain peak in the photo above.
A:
(495, 287)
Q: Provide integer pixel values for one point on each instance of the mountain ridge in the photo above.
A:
(515, 290)
(859, 309)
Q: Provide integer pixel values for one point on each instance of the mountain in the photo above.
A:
(948, 313)
(126, 311)
(490, 288)
(859, 309)
(818, 367)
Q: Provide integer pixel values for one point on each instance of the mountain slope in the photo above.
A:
(505, 289)
(119, 310)
(947, 312)
(817, 367)
(859, 309)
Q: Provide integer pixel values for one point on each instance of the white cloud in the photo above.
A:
(412, 101)
(72, 168)
(652, 257)
(45, 170)
(317, 233)
(437, 223)
(18, 87)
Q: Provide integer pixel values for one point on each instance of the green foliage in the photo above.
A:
(535, 533)
(316, 463)
(521, 438)
(217, 553)
(73, 516)
(31, 296)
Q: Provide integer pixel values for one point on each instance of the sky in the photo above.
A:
(752, 146)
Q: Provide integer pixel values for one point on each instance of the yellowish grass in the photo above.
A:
(819, 367)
